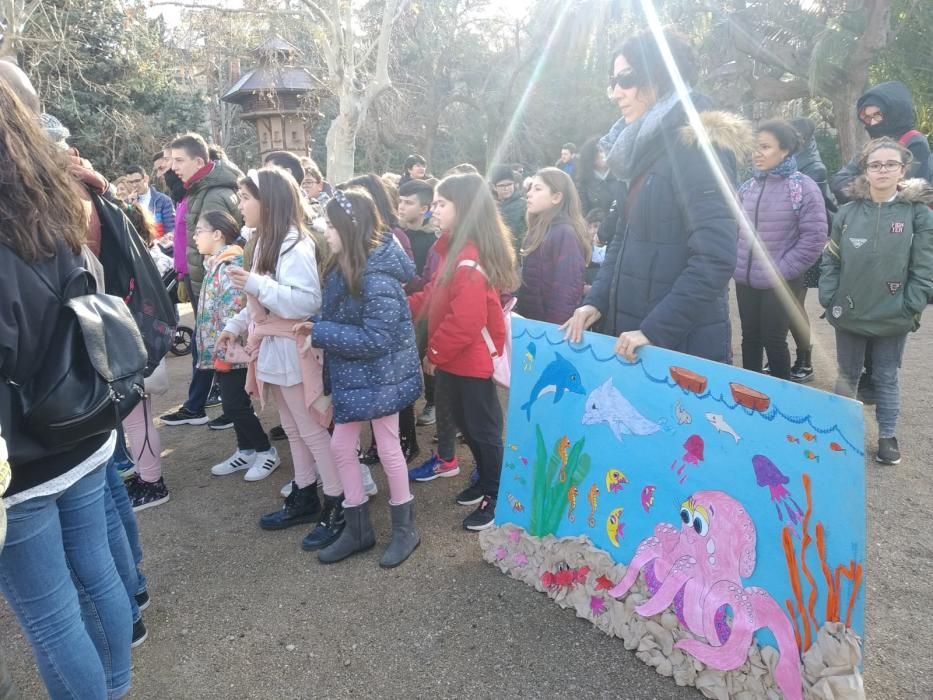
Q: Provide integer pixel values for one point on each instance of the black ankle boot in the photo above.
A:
(410, 448)
(371, 456)
(329, 527)
(302, 506)
(802, 371)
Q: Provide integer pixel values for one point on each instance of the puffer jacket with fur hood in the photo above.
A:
(668, 267)
(876, 274)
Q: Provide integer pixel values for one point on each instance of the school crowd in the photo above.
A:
(346, 304)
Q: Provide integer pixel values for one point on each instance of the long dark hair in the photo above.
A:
(282, 210)
(142, 221)
(359, 235)
(478, 220)
(643, 54)
(380, 195)
(569, 208)
(38, 206)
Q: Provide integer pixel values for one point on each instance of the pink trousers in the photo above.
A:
(308, 440)
(344, 444)
(145, 444)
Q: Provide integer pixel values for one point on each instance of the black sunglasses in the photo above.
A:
(626, 80)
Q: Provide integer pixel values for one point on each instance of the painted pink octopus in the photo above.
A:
(699, 569)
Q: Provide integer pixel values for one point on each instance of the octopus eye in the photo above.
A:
(700, 525)
(685, 516)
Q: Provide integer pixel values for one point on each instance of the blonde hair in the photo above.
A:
(569, 208)
(478, 220)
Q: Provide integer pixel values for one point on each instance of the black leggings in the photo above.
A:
(238, 408)
(765, 322)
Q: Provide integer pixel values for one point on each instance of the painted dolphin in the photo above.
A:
(558, 377)
(717, 421)
(605, 404)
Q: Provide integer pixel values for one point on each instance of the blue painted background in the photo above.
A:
(838, 487)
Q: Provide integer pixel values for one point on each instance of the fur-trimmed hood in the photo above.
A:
(915, 191)
(726, 131)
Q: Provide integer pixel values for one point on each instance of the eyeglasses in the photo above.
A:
(871, 119)
(504, 185)
(878, 166)
(135, 181)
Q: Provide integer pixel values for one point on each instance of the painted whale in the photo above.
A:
(605, 404)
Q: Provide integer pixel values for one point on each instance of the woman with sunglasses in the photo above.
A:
(876, 277)
(666, 274)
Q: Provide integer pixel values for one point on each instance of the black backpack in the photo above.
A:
(131, 274)
(91, 376)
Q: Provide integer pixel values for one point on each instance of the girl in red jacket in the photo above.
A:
(555, 251)
(479, 263)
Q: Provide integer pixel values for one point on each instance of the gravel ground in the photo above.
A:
(242, 613)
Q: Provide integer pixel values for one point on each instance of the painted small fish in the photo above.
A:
(810, 454)
(572, 499)
(515, 503)
(809, 437)
(793, 438)
(510, 465)
(717, 421)
(513, 447)
(615, 528)
(680, 413)
(562, 445)
(592, 498)
(521, 480)
(604, 583)
(559, 377)
(524, 460)
(647, 497)
(836, 447)
(597, 605)
(615, 480)
(529, 360)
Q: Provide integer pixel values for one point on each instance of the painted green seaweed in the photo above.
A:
(549, 497)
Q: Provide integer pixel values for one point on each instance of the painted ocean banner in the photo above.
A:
(735, 499)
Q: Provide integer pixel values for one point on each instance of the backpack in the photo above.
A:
(501, 363)
(91, 377)
(131, 274)
(912, 135)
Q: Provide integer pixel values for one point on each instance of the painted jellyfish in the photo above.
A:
(693, 454)
(768, 474)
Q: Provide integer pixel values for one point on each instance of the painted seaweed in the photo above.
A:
(549, 496)
(803, 616)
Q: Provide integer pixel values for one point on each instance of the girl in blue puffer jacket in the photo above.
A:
(787, 216)
(371, 366)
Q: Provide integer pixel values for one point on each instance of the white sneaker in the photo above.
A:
(369, 486)
(265, 464)
(238, 462)
(286, 490)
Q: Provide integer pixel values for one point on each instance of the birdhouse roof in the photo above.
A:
(266, 77)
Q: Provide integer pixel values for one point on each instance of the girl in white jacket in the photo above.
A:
(282, 289)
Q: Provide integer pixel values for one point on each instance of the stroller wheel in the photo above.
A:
(181, 344)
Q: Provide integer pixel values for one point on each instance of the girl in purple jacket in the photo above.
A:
(555, 251)
(782, 236)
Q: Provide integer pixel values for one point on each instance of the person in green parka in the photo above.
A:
(876, 277)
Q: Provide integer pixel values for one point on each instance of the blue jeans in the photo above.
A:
(56, 549)
(201, 380)
(886, 357)
(123, 535)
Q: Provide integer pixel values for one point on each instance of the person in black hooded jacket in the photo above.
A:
(887, 110)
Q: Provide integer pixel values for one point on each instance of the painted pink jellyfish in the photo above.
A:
(693, 454)
(768, 474)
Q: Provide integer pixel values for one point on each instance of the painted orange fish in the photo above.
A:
(572, 499)
(836, 447)
(593, 498)
(562, 445)
(792, 438)
(516, 504)
(810, 454)
(809, 437)
(604, 583)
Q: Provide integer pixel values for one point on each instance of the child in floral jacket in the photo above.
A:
(215, 236)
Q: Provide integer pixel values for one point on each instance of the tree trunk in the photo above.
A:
(341, 140)
(848, 131)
